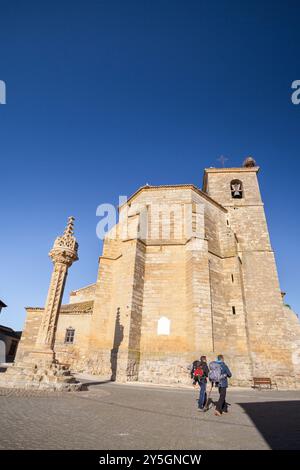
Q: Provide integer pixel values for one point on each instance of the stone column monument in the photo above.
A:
(63, 254)
(40, 369)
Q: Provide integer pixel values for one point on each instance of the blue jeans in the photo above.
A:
(202, 395)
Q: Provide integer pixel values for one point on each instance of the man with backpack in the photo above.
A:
(218, 375)
(195, 365)
(200, 374)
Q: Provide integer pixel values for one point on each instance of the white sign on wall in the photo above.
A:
(163, 326)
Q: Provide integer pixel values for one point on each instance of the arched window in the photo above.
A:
(70, 333)
(163, 326)
(236, 187)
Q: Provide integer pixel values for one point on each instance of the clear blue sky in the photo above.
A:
(104, 96)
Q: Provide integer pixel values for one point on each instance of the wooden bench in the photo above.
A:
(263, 381)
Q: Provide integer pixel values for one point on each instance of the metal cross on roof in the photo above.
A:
(222, 160)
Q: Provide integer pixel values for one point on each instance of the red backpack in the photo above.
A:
(198, 372)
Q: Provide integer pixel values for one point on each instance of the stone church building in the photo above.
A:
(185, 272)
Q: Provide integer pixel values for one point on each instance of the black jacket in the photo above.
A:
(205, 369)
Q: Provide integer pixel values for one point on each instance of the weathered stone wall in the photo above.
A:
(115, 329)
(266, 331)
(30, 332)
(78, 317)
(293, 333)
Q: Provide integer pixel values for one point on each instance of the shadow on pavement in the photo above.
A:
(278, 422)
(86, 385)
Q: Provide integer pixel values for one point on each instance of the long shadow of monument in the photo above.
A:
(118, 338)
(277, 421)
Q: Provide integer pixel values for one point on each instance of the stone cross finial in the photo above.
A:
(69, 230)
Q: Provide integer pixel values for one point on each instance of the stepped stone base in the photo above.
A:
(36, 376)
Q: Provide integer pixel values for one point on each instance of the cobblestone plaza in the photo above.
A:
(114, 416)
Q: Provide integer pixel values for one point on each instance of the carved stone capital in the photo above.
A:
(61, 256)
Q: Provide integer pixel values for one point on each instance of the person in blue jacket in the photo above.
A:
(221, 406)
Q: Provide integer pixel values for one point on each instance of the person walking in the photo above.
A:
(201, 374)
(193, 368)
(219, 374)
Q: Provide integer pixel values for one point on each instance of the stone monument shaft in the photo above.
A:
(63, 254)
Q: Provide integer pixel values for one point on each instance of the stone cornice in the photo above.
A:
(243, 203)
(238, 253)
(71, 309)
(162, 242)
(35, 309)
(252, 169)
(77, 308)
(109, 258)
